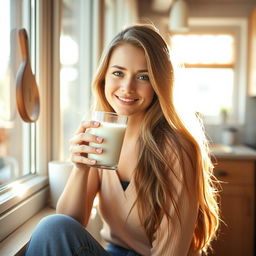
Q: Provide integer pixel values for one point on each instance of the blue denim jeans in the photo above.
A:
(61, 235)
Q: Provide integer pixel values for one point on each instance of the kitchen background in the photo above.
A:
(158, 11)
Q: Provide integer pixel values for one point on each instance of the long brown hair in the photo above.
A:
(163, 132)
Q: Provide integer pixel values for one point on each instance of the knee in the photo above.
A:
(54, 224)
(56, 220)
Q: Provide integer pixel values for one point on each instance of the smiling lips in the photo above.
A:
(126, 100)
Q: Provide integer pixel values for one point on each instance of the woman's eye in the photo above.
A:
(117, 73)
(143, 77)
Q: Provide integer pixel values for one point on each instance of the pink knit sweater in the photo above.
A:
(119, 228)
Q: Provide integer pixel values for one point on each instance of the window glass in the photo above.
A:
(203, 48)
(86, 28)
(209, 90)
(207, 79)
(15, 135)
(75, 70)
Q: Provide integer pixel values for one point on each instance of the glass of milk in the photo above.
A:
(112, 129)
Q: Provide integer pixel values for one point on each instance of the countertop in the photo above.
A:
(233, 152)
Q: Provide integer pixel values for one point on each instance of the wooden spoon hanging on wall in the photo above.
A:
(27, 94)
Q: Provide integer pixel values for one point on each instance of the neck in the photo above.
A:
(133, 127)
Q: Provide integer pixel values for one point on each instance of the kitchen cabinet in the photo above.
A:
(236, 234)
(252, 54)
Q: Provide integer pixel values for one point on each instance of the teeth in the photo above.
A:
(127, 100)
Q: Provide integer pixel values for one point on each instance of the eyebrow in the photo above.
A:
(123, 68)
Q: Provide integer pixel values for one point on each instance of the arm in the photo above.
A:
(78, 195)
(83, 184)
(178, 239)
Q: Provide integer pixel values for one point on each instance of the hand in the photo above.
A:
(79, 145)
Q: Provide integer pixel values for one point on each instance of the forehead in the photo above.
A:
(128, 55)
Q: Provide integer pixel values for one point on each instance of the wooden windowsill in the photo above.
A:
(14, 244)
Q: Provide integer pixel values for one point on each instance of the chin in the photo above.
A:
(127, 111)
(123, 113)
(130, 113)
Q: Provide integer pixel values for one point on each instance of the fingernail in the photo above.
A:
(92, 161)
(99, 150)
(96, 123)
(99, 139)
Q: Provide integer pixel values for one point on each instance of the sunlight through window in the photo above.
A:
(18, 189)
(207, 79)
(202, 49)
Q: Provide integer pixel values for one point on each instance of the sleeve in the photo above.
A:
(174, 238)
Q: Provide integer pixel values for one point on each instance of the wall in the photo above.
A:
(250, 126)
(221, 8)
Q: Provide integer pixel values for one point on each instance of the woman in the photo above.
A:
(167, 202)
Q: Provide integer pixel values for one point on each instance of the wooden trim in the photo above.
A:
(252, 54)
(202, 65)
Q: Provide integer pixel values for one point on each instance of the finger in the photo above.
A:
(87, 124)
(85, 138)
(78, 149)
(77, 159)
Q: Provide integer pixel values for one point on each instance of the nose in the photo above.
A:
(128, 85)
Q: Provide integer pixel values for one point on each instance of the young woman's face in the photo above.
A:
(127, 86)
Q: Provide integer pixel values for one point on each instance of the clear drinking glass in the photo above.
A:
(112, 130)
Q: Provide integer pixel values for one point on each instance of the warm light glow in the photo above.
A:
(18, 189)
(96, 201)
(5, 32)
(93, 213)
(68, 74)
(206, 95)
(206, 89)
(68, 50)
(5, 72)
(203, 48)
(94, 208)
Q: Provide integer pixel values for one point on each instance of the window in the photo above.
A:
(212, 76)
(23, 189)
(16, 137)
(209, 60)
(78, 53)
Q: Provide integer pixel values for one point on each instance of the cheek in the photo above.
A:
(106, 91)
(149, 93)
(109, 85)
(109, 88)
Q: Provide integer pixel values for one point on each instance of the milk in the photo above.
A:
(113, 135)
